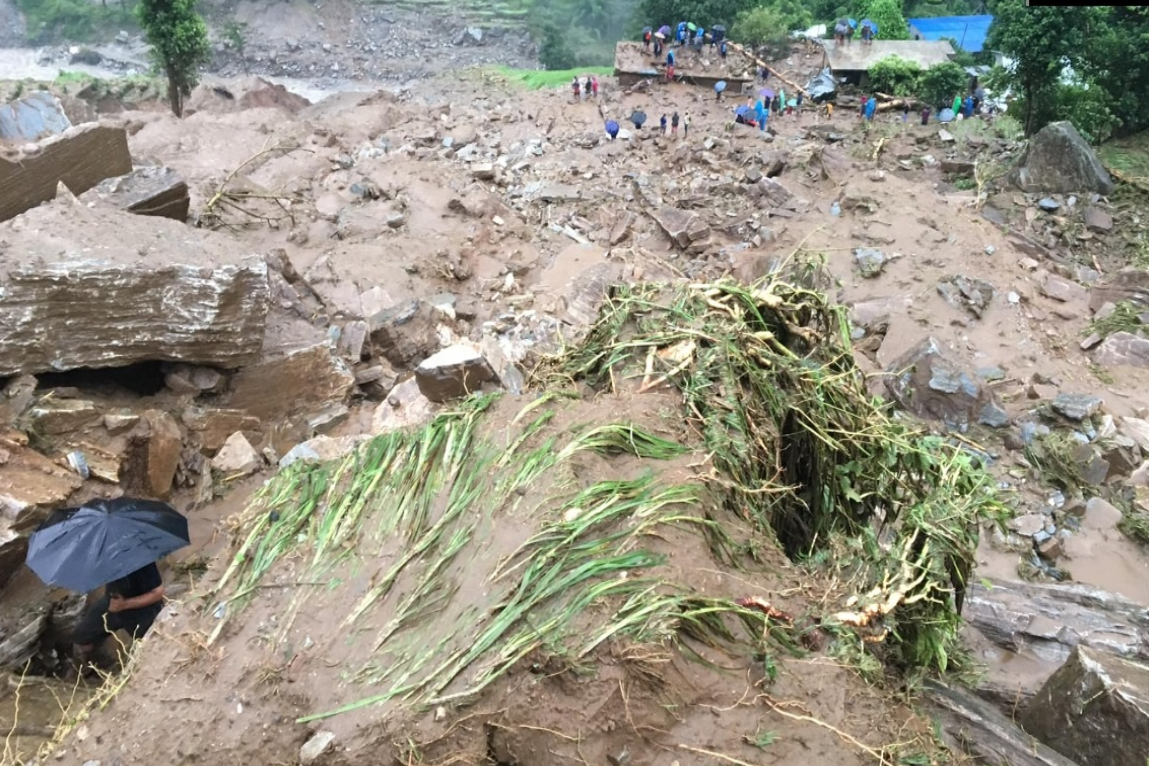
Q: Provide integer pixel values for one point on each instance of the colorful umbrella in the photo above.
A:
(691, 26)
(853, 23)
(664, 30)
(766, 93)
(792, 102)
(660, 35)
(742, 111)
(870, 24)
(647, 30)
(638, 118)
(719, 86)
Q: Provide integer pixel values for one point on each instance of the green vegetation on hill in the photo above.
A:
(76, 20)
(535, 79)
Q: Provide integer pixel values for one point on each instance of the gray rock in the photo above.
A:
(870, 261)
(1076, 407)
(454, 372)
(297, 384)
(192, 379)
(60, 416)
(1058, 160)
(1125, 285)
(684, 227)
(1095, 710)
(991, 374)
(1063, 290)
(1097, 219)
(1048, 204)
(993, 416)
(406, 333)
(158, 191)
(1123, 349)
(316, 746)
(35, 116)
(966, 293)
(752, 175)
(926, 383)
(1027, 525)
(300, 452)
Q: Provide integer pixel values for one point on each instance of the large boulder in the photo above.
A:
(1095, 710)
(923, 381)
(1058, 160)
(1123, 349)
(1126, 285)
(79, 158)
(296, 385)
(68, 315)
(684, 227)
(36, 116)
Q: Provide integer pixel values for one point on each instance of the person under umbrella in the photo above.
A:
(722, 50)
(612, 129)
(718, 88)
(647, 34)
(718, 34)
(115, 544)
(637, 118)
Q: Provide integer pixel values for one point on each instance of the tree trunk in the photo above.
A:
(175, 98)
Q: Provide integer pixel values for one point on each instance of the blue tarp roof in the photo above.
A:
(969, 31)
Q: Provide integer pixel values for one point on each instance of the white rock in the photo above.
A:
(236, 456)
(315, 747)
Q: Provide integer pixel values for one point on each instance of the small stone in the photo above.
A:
(1027, 525)
(1076, 407)
(1063, 290)
(993, 416)
(990, 249)
(118, 422)
(498, 221)
(1029, 264)
(1013, 298)
(1048, 204)
(870, 261)
(396, 220)
(946, 136)
(1050, 549)
(1097, 219)
(991, 374)
(453, 372)
(1091, 341)
(440, 714)
(315, 747)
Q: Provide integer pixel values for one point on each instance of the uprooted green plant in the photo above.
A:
(800, 448)
(1125, 317)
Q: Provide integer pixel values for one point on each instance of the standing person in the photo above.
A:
(925, 115)
(906, 111)
(829, 111)
(674, 124)
(130, 603)
(646, 35)
(574, 86)
(594, 85)
(670, 66)
(760, 113)
(798, 110)
(957, 105)
(662, 125)
(866, 34)
(968, 106)
(722, 50)
(686, 124)
(657, 47)
(871, 107)
(862, 108)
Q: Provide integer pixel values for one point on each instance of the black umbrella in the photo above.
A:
(638, 118)
(83, 548)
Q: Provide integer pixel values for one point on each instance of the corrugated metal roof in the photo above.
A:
(969, 31)
(855, 57)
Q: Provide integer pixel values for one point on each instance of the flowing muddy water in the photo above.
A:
(24, 63)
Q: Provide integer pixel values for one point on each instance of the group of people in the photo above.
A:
(584, 86)
(844, 32)
(963, 108)
(685, 35)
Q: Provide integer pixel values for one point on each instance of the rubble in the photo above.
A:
(80, 158)
(1094, 709)
(296, 385)
(1076, 406)
(405, 407)
(683, 227)
(1058, 160)
(157, 453)
(53, 415)
(1126, 285)
(157, 191)
(213, 426)
(870, 261)
(968, 294)
(926, 383)
(453, 372)
(192, 379)
(106, 315)
(405, 334)
(1063, 290)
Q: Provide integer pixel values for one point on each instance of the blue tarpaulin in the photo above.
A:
(969, 31)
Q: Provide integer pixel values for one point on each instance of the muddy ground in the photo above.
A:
(504, 200)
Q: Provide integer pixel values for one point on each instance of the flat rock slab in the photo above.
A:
(33, 117)
(63, 316)
(1123, 349)
(79, 158)
(156, 191)
(453, 372)
(1126, 285)
(923, 381)
(1095, 710)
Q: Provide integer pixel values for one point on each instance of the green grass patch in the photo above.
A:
(1128, 155)
(536, 79)
(1124, 318)
(77, 20)
(1134, 524)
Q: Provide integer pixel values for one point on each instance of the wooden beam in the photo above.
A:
(767, 67)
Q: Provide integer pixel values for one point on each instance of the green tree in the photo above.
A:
(554, 53)
(940, 83)
(762, 26)
(887, 14)
(895, 76)
(655, 13)
(178, 37)
(1042, 41)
